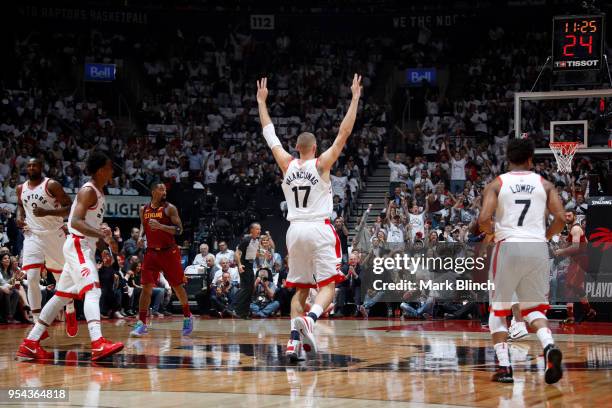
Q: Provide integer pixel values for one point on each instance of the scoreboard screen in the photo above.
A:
(578, 42)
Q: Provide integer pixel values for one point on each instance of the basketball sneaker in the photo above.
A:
(72, 326)
(517, 331)
(552, 360)
(294, 350)
(140, 329)
(503, 375)
(187, 325)
(305, 326)
(32, 350)
(103, 348)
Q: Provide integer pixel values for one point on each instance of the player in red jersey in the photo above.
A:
(576, 270)
(160, 223)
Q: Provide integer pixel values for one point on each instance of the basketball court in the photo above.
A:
(362, 363)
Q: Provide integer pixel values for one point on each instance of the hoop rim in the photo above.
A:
(561, 144)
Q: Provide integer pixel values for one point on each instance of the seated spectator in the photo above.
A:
(200, 259)
(350, 289)
(209, 272)
(133, 276)
(110, 283)
(222, 296)
(133, 246)
(417, 305)
(224, 252)
(225, 267)
(10, 300)
(263, 304)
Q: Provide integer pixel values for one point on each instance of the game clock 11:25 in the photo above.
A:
(578, 42)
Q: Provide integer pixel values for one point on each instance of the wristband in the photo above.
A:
(270, 136)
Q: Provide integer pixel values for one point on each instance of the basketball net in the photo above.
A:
(564, 153)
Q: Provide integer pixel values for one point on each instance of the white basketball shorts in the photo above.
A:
(80, 272)
(315, 254)
(44, 250)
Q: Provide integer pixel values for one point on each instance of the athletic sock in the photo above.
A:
(315, 312)
(545, 336)
(142, 315)
(95, 331)
(186, 311)
(37, 331)
(91, 309)
(36, 316)
(295, 335)
(501, 349)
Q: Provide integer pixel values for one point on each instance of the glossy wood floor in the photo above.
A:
(362, 364)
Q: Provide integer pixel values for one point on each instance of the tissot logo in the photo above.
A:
(583, 63)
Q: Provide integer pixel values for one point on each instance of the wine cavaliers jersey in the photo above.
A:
(156, 238)
(521, 208)
(308, 196)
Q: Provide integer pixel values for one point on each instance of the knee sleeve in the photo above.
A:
(91, 305)
(34, 294)
(497, 324)
(532, 316)
(52, 308)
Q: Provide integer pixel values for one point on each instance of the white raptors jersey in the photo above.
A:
(94, 214)
(309, 197)
(521, 208)
(39, 197)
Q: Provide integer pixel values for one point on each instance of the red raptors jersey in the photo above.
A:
(157, 238)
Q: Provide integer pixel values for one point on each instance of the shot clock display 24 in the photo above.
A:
(578, 42)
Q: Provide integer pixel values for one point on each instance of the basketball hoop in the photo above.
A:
(564, 153)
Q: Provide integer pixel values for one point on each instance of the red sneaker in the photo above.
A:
(44, 336)
(32, 350)
(103, 348)
(72, 327)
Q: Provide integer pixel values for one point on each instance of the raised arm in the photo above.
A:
(280, 154)
(329, 157)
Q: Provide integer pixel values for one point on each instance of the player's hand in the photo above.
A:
(262, 90)
(356, 86)
(40, 212)
(154, 224)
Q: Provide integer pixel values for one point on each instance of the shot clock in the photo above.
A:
(578, 43)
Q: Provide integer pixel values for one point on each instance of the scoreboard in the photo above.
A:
(578, 42)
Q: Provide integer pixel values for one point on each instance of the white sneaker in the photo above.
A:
(305, 326)
(118, 315)
(517, 331)
(294, 351)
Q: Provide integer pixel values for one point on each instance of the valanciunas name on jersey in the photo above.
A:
(306, 175)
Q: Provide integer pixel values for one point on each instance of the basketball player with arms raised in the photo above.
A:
(80, 277)
(41, 207)
(520, 262)
(312, 243)
(160, 223)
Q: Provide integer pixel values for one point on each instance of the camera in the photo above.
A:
(264, 279)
